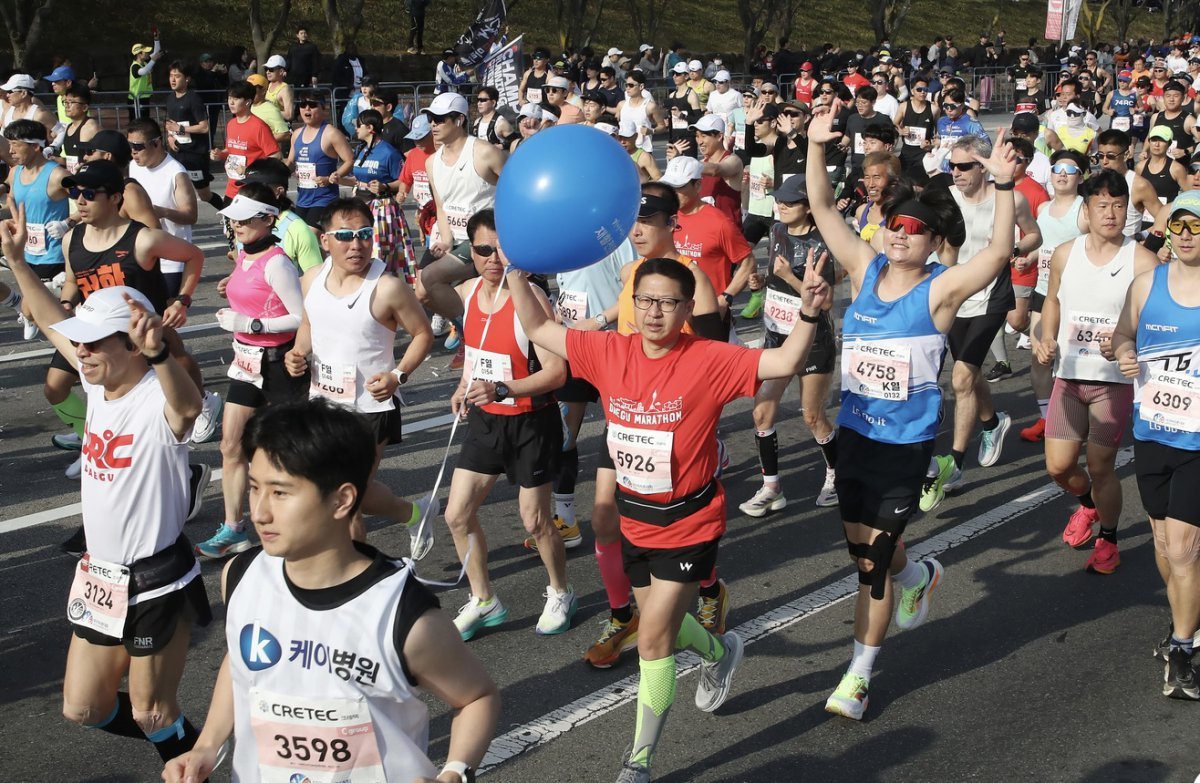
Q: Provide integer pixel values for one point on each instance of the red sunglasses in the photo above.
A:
(913, 227)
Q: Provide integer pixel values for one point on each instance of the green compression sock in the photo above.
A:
(692, 636)
(72, 412)
(656, 694)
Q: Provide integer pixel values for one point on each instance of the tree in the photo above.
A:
(264, 41)
(345, 19)
(758, 18)
(24, 20)
(577, 21)
(1123, 13)
(887, 16)
(1091, 21)
(646, 16)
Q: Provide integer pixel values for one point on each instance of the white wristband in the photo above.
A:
(458, 768)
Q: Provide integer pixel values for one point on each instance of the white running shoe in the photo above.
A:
(991, 443)
(475, 616)
(29, 328)
(210, 416)
(715, 677)
(75, 469)
(420, 538)
(766, 499)
(1023, 343)
(560, 610)
(828, 494)
(440, 325)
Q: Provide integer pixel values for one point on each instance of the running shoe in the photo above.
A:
(476, 615)
(29, 329)
(439, 325)
(999, 371)
(76, 545)
(210, 416)
(420, 536)
(1036, 432)
(631, 771)
(1179, 678)
(1105, 558)
(716, 677)
(453, 338)
(753, 308)
(991, 442)
(571, 535)
(828, 494)
(913, 606)
(1078, 531)
(766, 499)
(558, 613)
(616, 638)
(226, 541)
(1163, 648)
(850, 699)
(711, 612)
(933, 491)
(459, 359)
(75, 468)
(67, 442)
(1023, 343)
(198, 476)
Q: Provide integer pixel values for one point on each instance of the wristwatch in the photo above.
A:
(601, 320)
(501, 391)
(183, 299)
(461, 769)
(728, 297)
(256, 326)
(401, 376)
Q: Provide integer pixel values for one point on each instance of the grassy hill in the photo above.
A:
(98, 33)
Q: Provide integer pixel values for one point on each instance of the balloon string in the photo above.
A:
(437, 482)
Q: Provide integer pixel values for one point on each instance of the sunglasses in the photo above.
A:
(247, 221)
(375, 102)
(908, 225)
(964, 166)
(1108, 156)
(920, 89)
(1074, 113)
(951, 106)
(665, 304)
(878, 84)
(827, 92)
(438, 119)
(1065, 168)
(1177, 226)
(94, 344)
(87, 194)
(138, 146)
(309, 104)
(631, 85)
(793, 114)
(348, 235)
(1194, 168)
(483, 99)
(486, 251)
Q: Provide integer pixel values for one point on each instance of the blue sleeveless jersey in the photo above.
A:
(322, 165)
(891, 358)
(40, 209)
(1166, 406)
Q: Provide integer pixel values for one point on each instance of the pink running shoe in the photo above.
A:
(1105, 558)
(1079, 530)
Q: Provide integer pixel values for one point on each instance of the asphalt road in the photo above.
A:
(1027, 669)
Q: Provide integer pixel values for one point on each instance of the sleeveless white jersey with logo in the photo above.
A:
(463, 191)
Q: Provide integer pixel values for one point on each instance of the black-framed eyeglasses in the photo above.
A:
(87, 194)
(484, 251)
(348, 235)
(1108, 156)
(665, 304)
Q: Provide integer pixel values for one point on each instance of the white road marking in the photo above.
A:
(74, 509)
(583, 710)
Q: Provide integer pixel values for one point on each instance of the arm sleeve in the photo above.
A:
(282, 277)
(754, 147)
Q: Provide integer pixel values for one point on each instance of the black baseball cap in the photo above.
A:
(109, 141)
(1025, 122)
(653, 205)
(595, 96)
(97, 174)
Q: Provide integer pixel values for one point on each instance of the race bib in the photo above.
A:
(1121, 123)
(336, 382)
(758, 185)
(1044, 256)
(879, 370)
(679, 122)
(572, 306)
(196, 176)
(306, 175)
(421, 191)
(489, 366)
(739, 139)
(35, 239)
(314, 740)
(235, 167)
(182, 136)
(72, 162)
(247, 364)
(642, 458)
(533, 95)
(1170, 400)
(457, 217)
(860, 144)
(914, 136)
(99, 598)
(1086, 330)
(1139, 120)
(780, 311)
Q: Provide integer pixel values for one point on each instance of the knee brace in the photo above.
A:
(857, 551)
(879, 553)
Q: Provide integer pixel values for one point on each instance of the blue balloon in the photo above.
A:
(567, 198)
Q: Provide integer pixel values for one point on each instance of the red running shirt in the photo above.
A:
(715, 241)
(505, 354)
(656, 406)
(1036, 195)
(245, 142)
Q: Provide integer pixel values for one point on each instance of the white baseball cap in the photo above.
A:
(558, 81)
(19, 81)
(627, 129)
(695, 65)
(645, 48)
(682, 170)
(679, 67)
(708, 123)
(531, 110)
(102, 314)
(614, 50)
(607, 128)
(244, 208)
(721, 76)
(448, 103)
(276, 61)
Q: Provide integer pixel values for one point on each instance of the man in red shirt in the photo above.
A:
(853, 78)
(414, 178)
(707, 234)
(247, 138)
(662, 419)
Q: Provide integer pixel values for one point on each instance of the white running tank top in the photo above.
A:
(134, 485)
(160, 183)
(979, 219)
(463, 191)
(349, 346)
(637, 115)
(1091, 298)
(331, 675)
(10, 115)
(1133, 216)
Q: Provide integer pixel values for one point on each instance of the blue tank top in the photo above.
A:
(40, 209)
(891, 357)
(1166, 404)
(1122, 105)
(313, 162)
